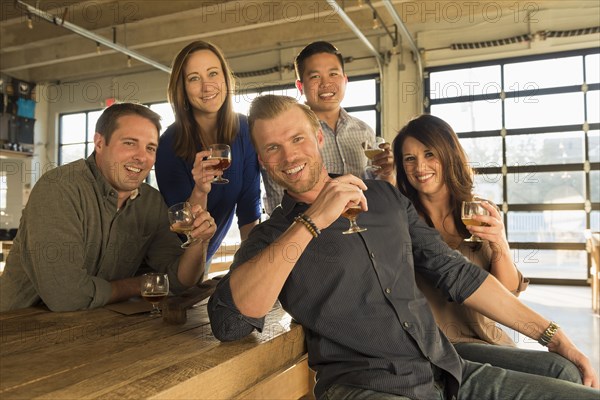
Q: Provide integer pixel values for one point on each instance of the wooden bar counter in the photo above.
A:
(101, 354)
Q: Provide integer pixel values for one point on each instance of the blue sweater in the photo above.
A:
(175, 181)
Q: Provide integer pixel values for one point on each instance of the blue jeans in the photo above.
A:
(535, 362)
(485, 382)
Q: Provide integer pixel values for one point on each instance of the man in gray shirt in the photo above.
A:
(90, 224)
(369, 331)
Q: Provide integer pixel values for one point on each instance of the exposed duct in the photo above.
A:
(356, 31)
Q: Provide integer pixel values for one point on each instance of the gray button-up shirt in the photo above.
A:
(366, 322)
(72, 241)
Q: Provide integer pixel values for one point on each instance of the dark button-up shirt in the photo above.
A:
(366, 323)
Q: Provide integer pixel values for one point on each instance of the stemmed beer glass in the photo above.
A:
(221, 152)
(371, 149)
(181, 219)
(468, 210)
(154, 288)
(351, 214)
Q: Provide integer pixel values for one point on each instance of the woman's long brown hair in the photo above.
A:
(189, 135)
(438, 136)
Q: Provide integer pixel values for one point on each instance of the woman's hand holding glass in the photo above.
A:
(492, 228)
(204, 171)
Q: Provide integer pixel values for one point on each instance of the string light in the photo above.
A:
(98, 47)
(29, 21)
(128, 61)
(361, 3)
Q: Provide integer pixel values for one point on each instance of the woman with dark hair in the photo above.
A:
(200, 92)
(433, 172)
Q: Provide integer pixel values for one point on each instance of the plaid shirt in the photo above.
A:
(342, 154)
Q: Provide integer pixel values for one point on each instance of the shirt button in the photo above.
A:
(372, 255)
(388, 290)
(406, 324)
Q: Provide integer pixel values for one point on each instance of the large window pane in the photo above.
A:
(71, 152)
(73, 128)
(166, 114)
(489, 187)
(595, 221)
(369, 117)
(595, 186)
(555, 264)
(593, 106)
(241, 102)
(359, 93)
(594, 145)
(592, 68)
(91, 127)
(546, 148)
(483, 152)
(244, 96)
(546, 226)
(548, 110)
(472, 116)
(546, 187)
(465, 82)
(543, 74)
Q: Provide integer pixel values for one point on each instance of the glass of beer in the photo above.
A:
(351, 214)
(221, 152)
(154, 288)
(181, 219)
(470, 208)
(371, 149)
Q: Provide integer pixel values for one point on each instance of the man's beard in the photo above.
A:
(313, 170)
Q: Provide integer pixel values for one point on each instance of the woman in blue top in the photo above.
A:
(200, 89)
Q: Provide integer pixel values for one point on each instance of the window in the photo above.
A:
(76, 135)
(3, 190)
(531, 129)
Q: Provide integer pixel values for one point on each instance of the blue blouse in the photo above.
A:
(241, 194)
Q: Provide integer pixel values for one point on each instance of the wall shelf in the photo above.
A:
(14, 154)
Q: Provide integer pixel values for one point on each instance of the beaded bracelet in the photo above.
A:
(309, 224)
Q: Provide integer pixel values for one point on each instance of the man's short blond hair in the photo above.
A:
(270, 106)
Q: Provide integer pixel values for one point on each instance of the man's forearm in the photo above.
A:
(124, 289)
(494, 301)
(192, 264)
(256, 284)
